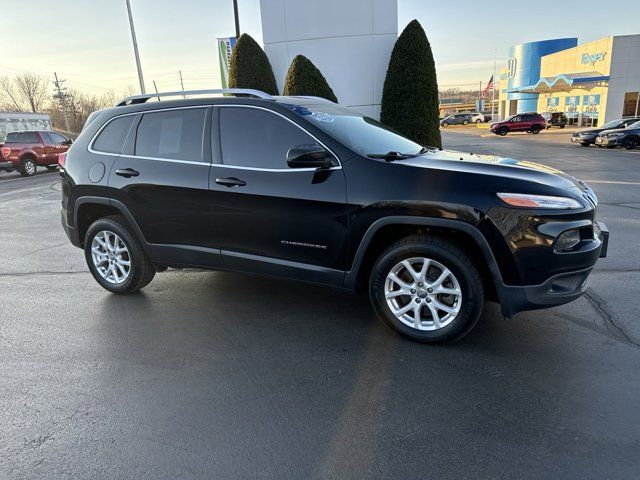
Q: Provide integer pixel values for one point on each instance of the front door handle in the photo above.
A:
(127, 172)
(231, 182)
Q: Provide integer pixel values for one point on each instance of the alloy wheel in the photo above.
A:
(423, 294)
(110, 257)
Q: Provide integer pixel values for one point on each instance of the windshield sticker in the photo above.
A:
(304, 111)
(322, 117)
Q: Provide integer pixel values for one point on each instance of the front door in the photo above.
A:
(162, 178)
(272, 218)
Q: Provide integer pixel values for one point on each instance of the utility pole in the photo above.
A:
(181, 83)
(135, 48)
(236, 18)
(61, 96)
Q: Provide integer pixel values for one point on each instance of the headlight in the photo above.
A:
(525, 200)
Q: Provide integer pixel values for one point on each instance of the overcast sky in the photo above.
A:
(88, 43)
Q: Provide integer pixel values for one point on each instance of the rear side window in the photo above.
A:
(171, 134)
(256, 138)
(112, 137)
(22, 137)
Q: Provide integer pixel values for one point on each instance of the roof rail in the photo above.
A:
(232, 91)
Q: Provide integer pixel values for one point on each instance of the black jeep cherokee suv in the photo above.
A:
(303, 188)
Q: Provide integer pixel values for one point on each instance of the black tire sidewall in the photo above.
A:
(470, 283)
(503, 131)
(627, 143)
(535, 129)
(130, 284)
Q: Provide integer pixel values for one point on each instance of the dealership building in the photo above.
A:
(592, 83)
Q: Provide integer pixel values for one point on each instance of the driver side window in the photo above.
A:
(256, 138)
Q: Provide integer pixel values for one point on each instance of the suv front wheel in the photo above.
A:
(115, 257)
(427, 289)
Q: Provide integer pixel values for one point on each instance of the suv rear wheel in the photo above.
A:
(535, 129)
(115, 257)
(29, 167)
(426, 289)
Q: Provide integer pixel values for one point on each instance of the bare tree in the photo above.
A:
(24, 92)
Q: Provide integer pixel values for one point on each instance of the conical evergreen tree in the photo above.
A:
(249, 67)
(410, 93)
(304, 78)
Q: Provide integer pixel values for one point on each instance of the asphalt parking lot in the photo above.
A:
(220, 375)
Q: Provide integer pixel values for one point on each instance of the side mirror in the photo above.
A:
(308, 156)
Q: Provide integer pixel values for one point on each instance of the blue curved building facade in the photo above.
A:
(523, 68)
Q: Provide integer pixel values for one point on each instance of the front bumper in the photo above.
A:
(608, 141)
(557, 290)
(583, 139)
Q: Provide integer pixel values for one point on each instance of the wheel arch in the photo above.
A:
(89, 209)
(386, 231)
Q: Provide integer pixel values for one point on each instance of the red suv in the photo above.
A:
(26, 150)
(522, 122)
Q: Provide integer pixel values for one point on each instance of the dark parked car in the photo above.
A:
(555, 119)
(522, 122)
(456, 119)
(628, 137)
(303, 188)
(26, 150)
(588, 136)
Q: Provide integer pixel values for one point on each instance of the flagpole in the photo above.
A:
(493, 98)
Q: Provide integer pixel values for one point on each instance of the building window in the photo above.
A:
(590, 112)
(631, 104)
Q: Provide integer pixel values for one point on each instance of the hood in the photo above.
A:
(616, 130)
(495, 166)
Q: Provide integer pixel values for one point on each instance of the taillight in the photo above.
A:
(5, 151)
(61, 158)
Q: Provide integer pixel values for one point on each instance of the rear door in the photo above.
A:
(162, 178)
(272, 218)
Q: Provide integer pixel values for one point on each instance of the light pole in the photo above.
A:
(135, 48)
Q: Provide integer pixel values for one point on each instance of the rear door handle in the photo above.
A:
(127, 172)
(231, 182)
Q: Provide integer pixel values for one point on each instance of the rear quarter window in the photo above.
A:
(22, 137)
(112, 137)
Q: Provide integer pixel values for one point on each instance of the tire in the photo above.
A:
(445, 124)
(468, 302)
(561, 126)
(478, 121)
(630, 143)
(141, 271)
(29, 167)
(465, 122)
(535, 129)
(502, 131)
(584, 144)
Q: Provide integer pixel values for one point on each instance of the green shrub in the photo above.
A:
(249, 67)
(304, 79)
(410, 93)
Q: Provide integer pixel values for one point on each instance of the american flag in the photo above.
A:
(488, 87)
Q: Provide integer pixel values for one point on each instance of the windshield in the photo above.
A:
(362, 134)
(611, 124)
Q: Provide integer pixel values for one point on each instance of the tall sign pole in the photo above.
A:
(236, 18)
(135, 48)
